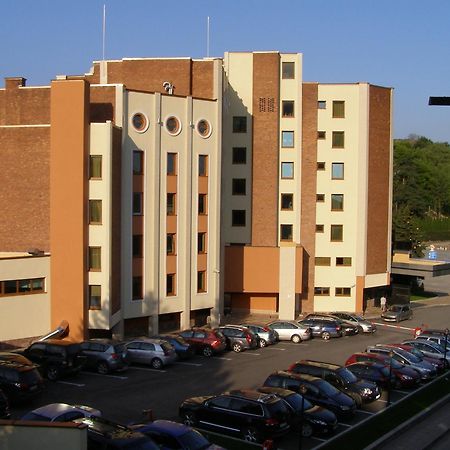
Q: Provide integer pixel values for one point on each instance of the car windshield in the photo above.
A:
(219, 334)
(278, 409)
(326, 388)
(408, 356)
(416, 352)
(295, 401)
(394, 308)
(34, 416)
(166, 347)
(193, 440)
(394, 363)
(347, 375)
(359, 318)
(119, 348)
(73, 349)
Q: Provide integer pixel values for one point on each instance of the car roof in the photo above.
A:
(15, 358)
(254, 395)
(61, 342)
(310, 362)
(295, 376)
(368, 363)
(55, 409)
(166, 426)
(146, 339)
(281, 392)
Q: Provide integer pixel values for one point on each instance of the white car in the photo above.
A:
(290, 330)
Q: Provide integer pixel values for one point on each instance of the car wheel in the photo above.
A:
(207, 351)
(52, 373)
(250, 434)
(296, 339)
(326, 336)
(237, 347)
(360, 329)
(262, 343)
(156, 363)
(189, 419)
(102, 368)
(307, 430)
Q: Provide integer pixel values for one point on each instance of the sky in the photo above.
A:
(404, 44)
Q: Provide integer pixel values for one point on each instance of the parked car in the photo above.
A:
(309, 418)
(405, 376)
(109, 435)
(323, 328)
(248, 414)
(239, 338)
(440, 340)
(397, 313)
(290, 330)
(365, 326)
(105, 355)
(266, 335)
(373, 371)
(206, 341)
(430, 348)
(183, 349)
(170, 435)
(318, 391)
(155, 352)
(437, 363)
(340, 378)
(348, 328)
(4, 406)
(436, 332)
(20, 379)
(56, 358)
(426, 370)
(60, 412)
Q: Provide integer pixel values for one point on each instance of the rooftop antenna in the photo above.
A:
(207, 38)
(104, 31)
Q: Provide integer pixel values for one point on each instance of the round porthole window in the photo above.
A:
(204, 128)
(140, 122)
(173, 125)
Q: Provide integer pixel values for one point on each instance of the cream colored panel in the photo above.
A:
(287, 282)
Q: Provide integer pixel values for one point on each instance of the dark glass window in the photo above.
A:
(238, 217)
(239, 124)
(239, 155)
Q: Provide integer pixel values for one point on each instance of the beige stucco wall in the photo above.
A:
(25, 315)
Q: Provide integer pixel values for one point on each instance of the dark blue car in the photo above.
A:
(323, 328)
(183, 349)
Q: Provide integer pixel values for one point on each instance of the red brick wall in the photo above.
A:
(103, 103)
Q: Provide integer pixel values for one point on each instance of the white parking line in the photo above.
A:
(188, 363)
(366, 412)
(105, 375)
(276, 348)
(253, 354)
(344, 424)
(72, 384)
(148, 369)
(226, 359)
(394, 326)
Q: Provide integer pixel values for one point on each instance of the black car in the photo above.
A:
(248, 414)
(56, 358)
(104, 355)
(4, 406)
(317, 391)
(183, 349)
(316, 419)
(239, 338)
(105, 434)
(341, 378)
(348, 328)
(19, 378)
(373, 371)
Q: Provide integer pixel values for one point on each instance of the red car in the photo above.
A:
(206, 341)
(405, 376)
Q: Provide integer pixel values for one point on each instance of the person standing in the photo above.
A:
(383, 303)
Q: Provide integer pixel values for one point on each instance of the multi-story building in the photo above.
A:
(163, 190)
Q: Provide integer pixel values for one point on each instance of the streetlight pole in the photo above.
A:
(446, 332)
(391, 354)
(302, 390)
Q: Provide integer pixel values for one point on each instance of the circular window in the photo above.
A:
(204, 128)
(173, 125)
(139, 122)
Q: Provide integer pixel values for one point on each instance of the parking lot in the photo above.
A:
(123, 396)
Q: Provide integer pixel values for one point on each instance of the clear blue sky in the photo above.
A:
(400, 43)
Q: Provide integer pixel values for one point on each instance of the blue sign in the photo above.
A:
(432, 254)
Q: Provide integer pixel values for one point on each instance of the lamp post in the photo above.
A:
(446, 332)
(302, 390)
(391, 355)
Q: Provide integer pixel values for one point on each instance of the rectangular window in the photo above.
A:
(95, 297)
(319, 228)
(322, 104)
(285, 232)
(342, 292)
(138, 162)
(321, 291)
(239, 124)
(201, 242)
(343, 261)
(322, 261)
(338, 109)
(170, 284)
(337, 171)
(320, 198)
(288, 70)
(95, 212)
(287, 202)
(337, 233)
(287, 139)
(171, 243)
(320, 165)
(239, 186)
(287, 170)
(238, 218)
(201, 281)
(137, 245)
(239, 155)
(22, 287)
(171, 204)
(202, 165)
(338, 139)
(95, 257)
(287, 108)
(137, 288)
(321, 135)
(337, 202)
(95, 167)
(202, 206)
(171, 163)
(137, 203)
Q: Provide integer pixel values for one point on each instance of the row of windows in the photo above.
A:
(338, 292)
(22, 287)
(337, 138)
(336, 232)
(171, 243)
(338, 108)
(339, 261)
(171, 204)
(337, 201)
(337, 170)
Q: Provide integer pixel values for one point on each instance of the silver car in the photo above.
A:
(364, 325)
(396, 313)
(290, 330)
(266, 335)
(155, 352)
(430, 348)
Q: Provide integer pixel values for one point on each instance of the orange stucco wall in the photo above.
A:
(68, 199)
(254, 302)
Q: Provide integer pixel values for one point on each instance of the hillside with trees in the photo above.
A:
(421, 192)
